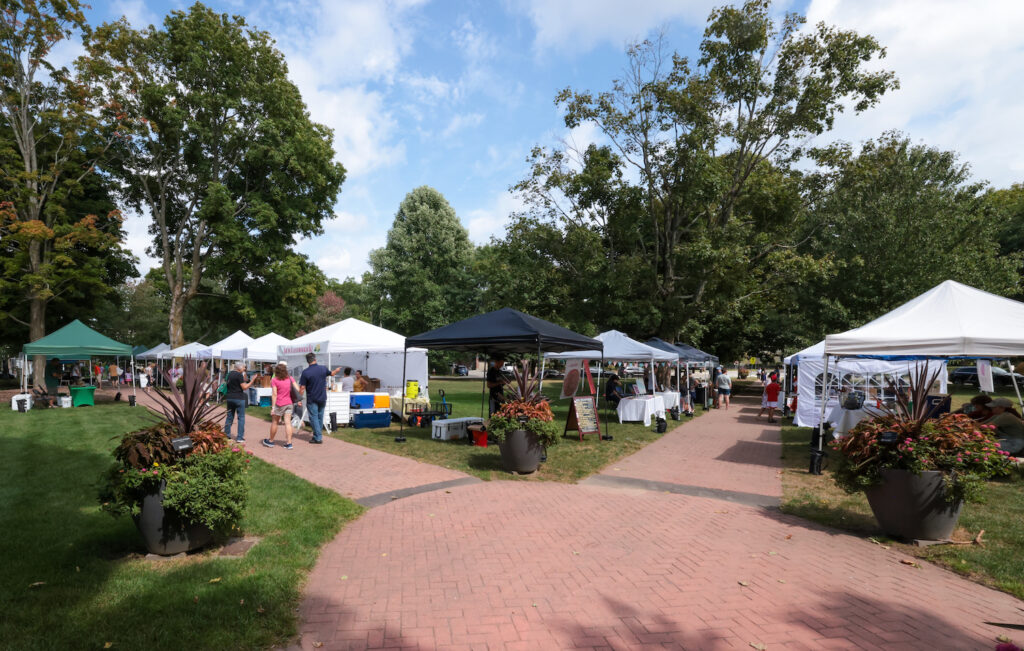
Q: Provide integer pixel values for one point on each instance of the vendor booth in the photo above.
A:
(75, 340)
(505, 331)
(620, 348)
(375, 351)
(689, 357)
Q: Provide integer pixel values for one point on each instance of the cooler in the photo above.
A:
(27, 397)
(372, 419)
(452, 428)
(361, 400)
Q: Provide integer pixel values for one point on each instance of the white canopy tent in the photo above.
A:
(376, 351)
(851, 373)
(232, 342)
(188, 350)
(261, 349)
(618, 347)
(154, 352)
(950, 320)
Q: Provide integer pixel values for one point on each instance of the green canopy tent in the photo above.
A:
(75, 338)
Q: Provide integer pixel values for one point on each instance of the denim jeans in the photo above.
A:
(316, 418)
(235, 406)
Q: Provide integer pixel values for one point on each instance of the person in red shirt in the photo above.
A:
(771, 392)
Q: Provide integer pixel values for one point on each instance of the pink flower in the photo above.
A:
(248, 460)
(235, 450)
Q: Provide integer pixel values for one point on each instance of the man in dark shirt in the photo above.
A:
(313, 383)
(235, 399)
(496, 384)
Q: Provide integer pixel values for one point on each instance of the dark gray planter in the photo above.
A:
(521, 451)
(163, 530)
(912, 506)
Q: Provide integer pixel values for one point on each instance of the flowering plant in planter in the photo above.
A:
(525, 408)
(205, 485)
(906, 437)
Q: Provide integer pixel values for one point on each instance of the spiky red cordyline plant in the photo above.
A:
(912, 410)
(187, 408)
(523, 398)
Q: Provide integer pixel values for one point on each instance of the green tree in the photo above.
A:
(897, 219)
(51, 140)
(693, 139)
(221, 155)
(422, 278)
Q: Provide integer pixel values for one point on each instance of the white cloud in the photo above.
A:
(475, 44)
(958, 64)
(491, 220)
(138, 14)
(137, 238)
(346, 222)
(579, 25)
(462, 121)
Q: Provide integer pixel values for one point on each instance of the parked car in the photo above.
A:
(969, 375)
(461, 369)
(632, 370)
(553, 373)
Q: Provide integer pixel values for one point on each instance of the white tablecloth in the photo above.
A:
(671, 398)
(846, 419)
(641, 408)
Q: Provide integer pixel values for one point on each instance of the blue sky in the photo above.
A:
(454, 93)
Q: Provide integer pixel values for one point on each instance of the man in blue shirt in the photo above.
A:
(313, 383)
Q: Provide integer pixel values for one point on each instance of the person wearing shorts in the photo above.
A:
(283, 407)
(724, 385)
(771, 393)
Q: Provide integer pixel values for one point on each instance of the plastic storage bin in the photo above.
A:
(361, 400)
(374, 419)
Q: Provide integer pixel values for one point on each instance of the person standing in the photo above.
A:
(76, 374)
(51, 380)
(496, 384)
(347, 383)
(360, 384)
(235, 399)
(724, 385)
(283, 407)
(150, 375)
(313, 383)
(771, 392)
(97, 375)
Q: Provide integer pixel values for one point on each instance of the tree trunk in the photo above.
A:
(37, 330)
(176, 319)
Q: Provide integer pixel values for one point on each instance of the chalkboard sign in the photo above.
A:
(583, 416)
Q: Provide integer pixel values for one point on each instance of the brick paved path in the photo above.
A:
(534, 565)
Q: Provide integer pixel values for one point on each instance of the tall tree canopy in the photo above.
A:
(422, 278)
(222, 156)
(686, 144)
(59, 237)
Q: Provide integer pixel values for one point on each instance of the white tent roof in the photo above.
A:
(949, 320)
(817, 351)
(350, 335)
(188, 350)
(619, 348)
(234, 341)
(154, 352)
(260, 349)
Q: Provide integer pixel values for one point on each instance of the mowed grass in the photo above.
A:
(998, 563)
(76, 578)
(568, 461)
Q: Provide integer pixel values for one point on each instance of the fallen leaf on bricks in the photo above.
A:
(910, 563)
(344, 577)
(758, 646)
(879, 543)
(773, 553)
(743, 583)
(789, 536)
(1003, 638)
(317, 645)
(782, 580)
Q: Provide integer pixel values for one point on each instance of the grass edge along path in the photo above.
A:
(569, 461)
(77, 578)
(998, 564)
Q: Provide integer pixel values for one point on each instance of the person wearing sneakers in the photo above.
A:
(283, 406)
(771, 392)
(313, 383)
(724, 385)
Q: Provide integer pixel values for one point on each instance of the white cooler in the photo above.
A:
(27, 397)
(65, 401)
(452, 428)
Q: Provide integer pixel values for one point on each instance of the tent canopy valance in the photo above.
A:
(76, 338)
(950, 320)
(504, 331)
(619, 348)
(154, 352)
(686, 353)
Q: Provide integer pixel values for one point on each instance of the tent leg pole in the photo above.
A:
(818, 455)
(542, 361)
(132, 367)
(1016, 388)
(483, 396)
(600, 372)
(401, 415)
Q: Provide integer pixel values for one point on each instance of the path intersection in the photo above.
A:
(679, 546)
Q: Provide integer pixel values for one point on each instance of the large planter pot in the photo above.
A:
(164, 531)
(912, 506)
(521, 451)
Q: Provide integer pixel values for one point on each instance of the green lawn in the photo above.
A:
(569, 461)
(999, 563)
(74, 577)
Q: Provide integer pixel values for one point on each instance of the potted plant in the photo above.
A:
(917, 471)
(523, 425)
(179, 478)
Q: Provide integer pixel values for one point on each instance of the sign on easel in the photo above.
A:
(583, 416)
